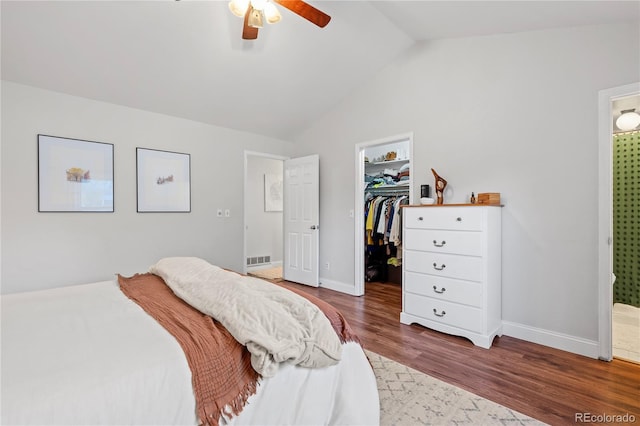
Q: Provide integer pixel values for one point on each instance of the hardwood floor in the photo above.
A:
(545, 383)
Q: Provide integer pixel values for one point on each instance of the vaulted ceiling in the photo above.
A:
(187, 58)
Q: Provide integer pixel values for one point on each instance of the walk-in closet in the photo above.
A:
(387, 187)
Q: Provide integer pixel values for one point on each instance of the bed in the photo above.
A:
(88, 354)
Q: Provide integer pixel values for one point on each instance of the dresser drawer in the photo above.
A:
(450, 218)
(443, 265)
(466, 317)
(456, 242)
(464, 292)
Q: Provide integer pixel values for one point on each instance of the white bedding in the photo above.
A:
(249, 307)
(89, 355)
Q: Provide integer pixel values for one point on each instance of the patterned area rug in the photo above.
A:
(409, 397)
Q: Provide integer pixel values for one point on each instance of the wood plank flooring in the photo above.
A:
(545, 383)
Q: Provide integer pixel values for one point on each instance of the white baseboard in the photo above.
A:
(553, 339)
(338, 286)
(564, 342)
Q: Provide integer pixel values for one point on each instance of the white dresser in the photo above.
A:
(452, 270)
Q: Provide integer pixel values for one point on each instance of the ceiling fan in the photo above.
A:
(255, 12)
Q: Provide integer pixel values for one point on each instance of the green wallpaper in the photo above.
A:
(626, 218)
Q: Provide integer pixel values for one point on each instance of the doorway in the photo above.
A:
(625, 321)
(263, 215)
(611, 101)
(379, 159)
(281, 217)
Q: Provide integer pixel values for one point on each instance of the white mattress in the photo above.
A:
(89, 355)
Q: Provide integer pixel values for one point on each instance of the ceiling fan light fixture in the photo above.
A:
(239, 7)
(255, 18)
(259, 4)
(257, 11)
(271, 13)
(628, 120)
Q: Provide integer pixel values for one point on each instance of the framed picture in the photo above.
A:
(272, 192)
(164, 181)
(74, 175)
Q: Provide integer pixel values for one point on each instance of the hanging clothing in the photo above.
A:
(395, 232)
(383, 229)
(383, 220)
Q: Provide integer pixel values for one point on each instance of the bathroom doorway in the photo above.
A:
(619, 319)
(625, 321)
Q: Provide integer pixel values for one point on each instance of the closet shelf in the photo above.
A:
(379, 166)
(388, 190)
(390, 162)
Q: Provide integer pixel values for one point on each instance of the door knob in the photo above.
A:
(315, 227)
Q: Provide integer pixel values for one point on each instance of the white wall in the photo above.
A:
(264, 228)
(515, 114)
(43, 250)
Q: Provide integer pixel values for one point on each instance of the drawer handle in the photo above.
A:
(435, 312)
(435, 243)
(420, 218)
(440, 268)
(442, 290)
(459, 219)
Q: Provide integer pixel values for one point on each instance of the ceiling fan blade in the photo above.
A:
(307, 11)
(248, 32)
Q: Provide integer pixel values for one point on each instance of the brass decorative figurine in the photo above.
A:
(440, 185)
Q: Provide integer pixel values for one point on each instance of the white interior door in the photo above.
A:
(301, 220)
